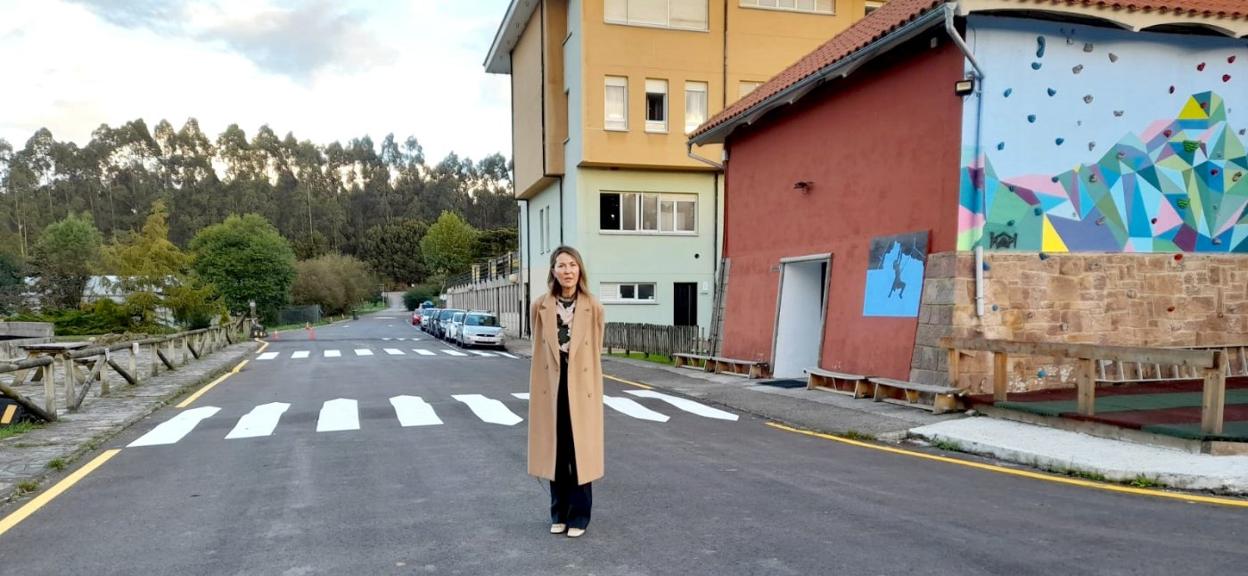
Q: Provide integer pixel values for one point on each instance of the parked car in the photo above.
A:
(444, 322)
(426, 319)
(480, 329)
(416, 316)
(452, 329)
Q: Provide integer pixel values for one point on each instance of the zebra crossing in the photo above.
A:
(306, 354)
(343, 415)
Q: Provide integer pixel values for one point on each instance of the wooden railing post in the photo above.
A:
(103, 372)
(49, 387)
(134, 361)
(71, 378)
(1213, 401)
(1000, 379)
(954, 357)
(1086, 384)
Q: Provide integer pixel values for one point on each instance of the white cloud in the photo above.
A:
(409, 68)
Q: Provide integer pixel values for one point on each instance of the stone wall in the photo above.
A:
(1163, 300)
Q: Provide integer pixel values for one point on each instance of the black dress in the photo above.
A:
(570, 502)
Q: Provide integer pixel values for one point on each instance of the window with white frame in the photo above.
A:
(648, 213)
(656, 105)
(627, 292)
(745, 87)
(815, 6)
(616, 105)
(695, 105)
(675, 14)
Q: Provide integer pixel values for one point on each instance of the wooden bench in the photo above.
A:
(855, 385)
(698, 361)
(748, 368)
(944, 398)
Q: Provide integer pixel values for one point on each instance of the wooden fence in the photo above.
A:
(655, 339)
(83, 367)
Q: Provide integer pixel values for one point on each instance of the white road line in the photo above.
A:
(508, 355)
(422, 352)
(489, 409)
(267, 356)
(486, 354)
(332, 354)
(337, 415)
(687, 405)
(385, 338)
(261, 421)
(414, 411)
(300, 354)
(521, 395)
(175, 428)
(363, 352)
(630, 407)
(394, 352)
(453, 353)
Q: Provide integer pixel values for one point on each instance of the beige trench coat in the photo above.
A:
(584, 388)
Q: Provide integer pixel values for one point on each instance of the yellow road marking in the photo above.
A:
(9, 411)
(201, 391)
(629, 382)
(1024, 473)
(42, 499)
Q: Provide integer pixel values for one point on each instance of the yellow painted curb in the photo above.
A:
(1219, 501)
(39, 501)
(629, 382)
(210, 385)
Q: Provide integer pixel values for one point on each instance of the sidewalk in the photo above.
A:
(25, 457)
(1041, 447)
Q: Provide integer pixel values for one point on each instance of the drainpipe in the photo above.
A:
(978, 74)
(715, 218)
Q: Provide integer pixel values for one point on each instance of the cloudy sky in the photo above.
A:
(323, 69)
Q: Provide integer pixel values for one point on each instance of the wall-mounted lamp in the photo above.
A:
(964, 86)
(804, 186)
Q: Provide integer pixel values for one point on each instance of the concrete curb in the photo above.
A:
(71, 453)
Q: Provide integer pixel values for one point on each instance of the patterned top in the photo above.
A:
(564, 310)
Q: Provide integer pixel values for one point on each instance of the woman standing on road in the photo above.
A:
(565, 392)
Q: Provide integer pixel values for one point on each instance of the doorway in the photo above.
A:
(800, 314)
(686, 304)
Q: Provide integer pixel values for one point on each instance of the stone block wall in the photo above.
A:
(1162, 300)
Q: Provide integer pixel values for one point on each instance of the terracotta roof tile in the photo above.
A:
(898, 13)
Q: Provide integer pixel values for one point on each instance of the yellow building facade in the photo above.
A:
(603, 95)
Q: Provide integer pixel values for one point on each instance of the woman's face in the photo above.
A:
(566, 271)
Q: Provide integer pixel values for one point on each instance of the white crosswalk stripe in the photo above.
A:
(414, 411)
(422, 352)
(687, 405)
(394, 352)
(630, 407)
(485, 354)
(504, 354)
(521, 395)
(267, 356)
(333, 354)
(303, 354)
(261, 421)
(174, 429)
(453, 353)
(363, 352)
(339, 415)
(385, 339)
(489, 409)
(300, 354)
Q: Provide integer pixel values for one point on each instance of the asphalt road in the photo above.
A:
(692, 495)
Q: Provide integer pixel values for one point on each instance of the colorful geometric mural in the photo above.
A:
(1176, 180)
(895, 275)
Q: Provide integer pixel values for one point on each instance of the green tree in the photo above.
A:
(393, 250)
(448, 246)
(246, 259)
(147, 263)
(66, 254)
(336, 282)
(497, 242)
(11, 284)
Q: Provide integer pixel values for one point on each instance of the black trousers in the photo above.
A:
(570, 501)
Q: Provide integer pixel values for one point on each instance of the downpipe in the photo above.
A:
(981, 192)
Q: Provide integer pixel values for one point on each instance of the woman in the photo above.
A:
(565, 392)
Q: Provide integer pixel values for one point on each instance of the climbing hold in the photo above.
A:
(1060, 141)
(1040, 47)
(994, 308)
(1231, 59)
(1087, 99)
(1237, 176)
(1184, 203)
(1035, 65)
(986, 267)
(1170, 309)
(1154, 220)
(1091, 146)
(1037, 211)
(1201, 67)
(1031, 118)
(1000, 145)
(1041, 374)
(1113, 57)
(1052, 92)
(1044, 256)
(1055, 179)
(1008, 91)
(1010, 223)
(1168, 133)
(1121, 154)
(1077, 69)
(1172, 89)
(1213, 172)
(1087, 46)
(1119, 113)
(1217, 241)
(1226, 77)
(1178, 257)
(1092, 176)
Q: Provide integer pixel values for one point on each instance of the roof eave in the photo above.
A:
(498, 59)
(843, 67)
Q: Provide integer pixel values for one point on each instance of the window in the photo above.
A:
(746, 87)
(656, 105)
(873, 5)
(628, 293)
(616, 103)
(815, 6)
(675, 14)
(649, 213)
(488, 320)
(695, 105)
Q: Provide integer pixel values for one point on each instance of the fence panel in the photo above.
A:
(654, 338)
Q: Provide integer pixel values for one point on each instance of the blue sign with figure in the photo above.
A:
(895, 275)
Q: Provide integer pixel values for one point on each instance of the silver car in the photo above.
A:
(479, 329)
(443, 330)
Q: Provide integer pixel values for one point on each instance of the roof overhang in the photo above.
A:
(498, 60)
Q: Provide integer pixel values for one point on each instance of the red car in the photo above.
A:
(416, 318)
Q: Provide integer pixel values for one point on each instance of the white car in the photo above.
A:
(479, 329)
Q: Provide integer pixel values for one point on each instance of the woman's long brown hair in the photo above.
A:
(582, 284)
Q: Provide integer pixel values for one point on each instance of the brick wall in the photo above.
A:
(1115, 299)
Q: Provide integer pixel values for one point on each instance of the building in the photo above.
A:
(603, 95)
(1092, 153)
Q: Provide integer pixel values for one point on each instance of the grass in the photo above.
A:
(948, 446)
(15, 429)
(1143, 481)
(27, 486)
(57, 464)
(655, 358)
(859, 436)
